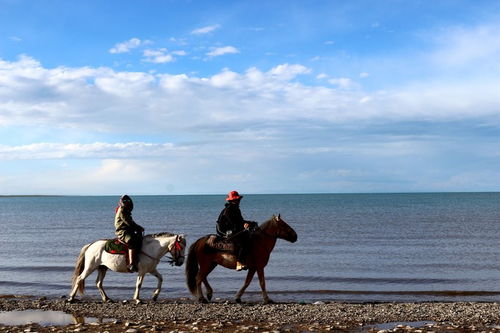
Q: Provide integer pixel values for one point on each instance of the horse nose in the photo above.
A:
(294, 237)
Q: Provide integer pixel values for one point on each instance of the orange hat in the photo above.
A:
(233, 195)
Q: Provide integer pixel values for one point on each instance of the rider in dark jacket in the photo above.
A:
(127, 231)
(232, 226)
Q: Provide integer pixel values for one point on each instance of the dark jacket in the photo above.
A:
(230, 220)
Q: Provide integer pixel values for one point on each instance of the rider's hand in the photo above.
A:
(246, 225)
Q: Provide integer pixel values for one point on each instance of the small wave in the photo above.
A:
(36, 268)
(29, 284)
(364, 280)
(448, 293)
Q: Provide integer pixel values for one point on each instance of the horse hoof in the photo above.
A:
(71, 300)
(203, 300)
(138, 301)
(268, 301)
(238, 300)
(155, 298)
(209, 297)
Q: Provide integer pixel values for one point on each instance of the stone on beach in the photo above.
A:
(175, 315)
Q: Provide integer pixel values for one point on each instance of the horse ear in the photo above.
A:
(279, 217)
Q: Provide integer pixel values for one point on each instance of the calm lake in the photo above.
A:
(351, 247)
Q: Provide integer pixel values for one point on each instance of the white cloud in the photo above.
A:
(126, 46)
(179, 53)
(205, 30)
(365, 99)
(159, 56)
(343, 83)
(104, 100)
(97, 150)
(288, 72)
(478, 46)
(218, 51)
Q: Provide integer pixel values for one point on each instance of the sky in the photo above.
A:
(203, 97)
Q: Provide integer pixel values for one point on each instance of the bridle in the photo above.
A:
(175, 250)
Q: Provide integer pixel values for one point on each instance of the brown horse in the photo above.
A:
(201, 262)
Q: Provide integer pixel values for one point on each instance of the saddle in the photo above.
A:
(114, 246)
(221, 244)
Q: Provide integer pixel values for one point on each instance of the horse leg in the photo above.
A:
(262, 281)
(250, 274)
(210, 291)
(138, 285)
(158, 286)
(200, 277)
(86, 272)
(98, 282)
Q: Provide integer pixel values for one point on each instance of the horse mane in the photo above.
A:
(161, 234)
(266, 224)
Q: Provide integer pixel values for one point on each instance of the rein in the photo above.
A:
(258, 228)
(177, 246)
(263, 232)
(151, 257)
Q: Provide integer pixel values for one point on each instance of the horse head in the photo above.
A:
(177, 249)
(283, 230)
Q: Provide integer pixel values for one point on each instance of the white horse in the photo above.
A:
(154, 247)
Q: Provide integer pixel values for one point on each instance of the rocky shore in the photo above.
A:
(184, 315)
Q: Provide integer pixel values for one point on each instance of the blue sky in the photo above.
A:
(196, 97)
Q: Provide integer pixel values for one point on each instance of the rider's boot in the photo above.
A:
(240, 264)
(132, 267)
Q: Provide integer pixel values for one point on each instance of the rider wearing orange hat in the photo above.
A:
(231, 225)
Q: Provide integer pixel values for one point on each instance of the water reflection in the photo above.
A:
(45, 318)
(392, 325)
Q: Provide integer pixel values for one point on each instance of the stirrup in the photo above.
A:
(240, 266)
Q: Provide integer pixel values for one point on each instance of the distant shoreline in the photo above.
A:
(32, 195)
(249, 194)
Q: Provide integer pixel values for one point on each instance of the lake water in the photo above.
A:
(351, 247)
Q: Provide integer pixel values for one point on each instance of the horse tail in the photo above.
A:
(192, 266)
(80, 265)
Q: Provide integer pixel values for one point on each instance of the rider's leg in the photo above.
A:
(242, 251)
(240, 255)
(132, 256)
(133, 247)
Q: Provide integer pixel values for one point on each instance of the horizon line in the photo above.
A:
(270, 193)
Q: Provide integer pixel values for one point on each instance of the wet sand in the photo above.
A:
(184, 315)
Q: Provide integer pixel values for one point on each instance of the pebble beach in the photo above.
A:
(185, 315)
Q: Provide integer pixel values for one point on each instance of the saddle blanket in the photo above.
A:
(220, 243)
(114, 246)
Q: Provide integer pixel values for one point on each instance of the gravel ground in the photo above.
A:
(184, 315)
